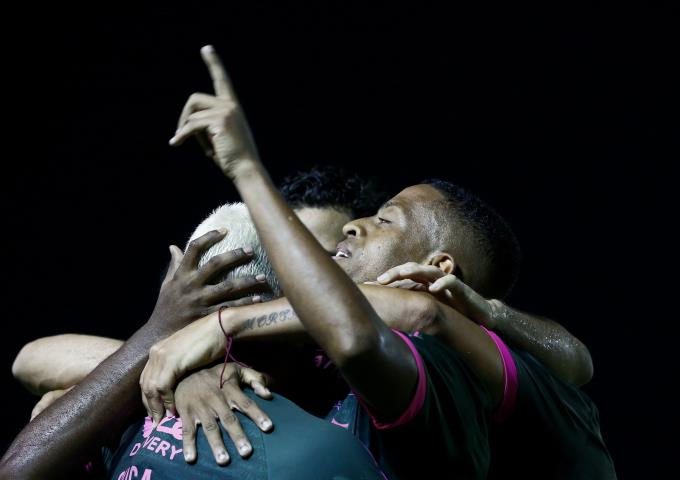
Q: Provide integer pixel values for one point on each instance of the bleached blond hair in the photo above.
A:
(240, 233)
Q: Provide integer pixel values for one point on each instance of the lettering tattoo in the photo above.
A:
(273, 318)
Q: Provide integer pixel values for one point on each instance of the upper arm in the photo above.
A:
(384, 373)
(475, 345)
(60, 361)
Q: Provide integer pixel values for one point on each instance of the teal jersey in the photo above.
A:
(444, 430)
(553, 431)
(301, 447)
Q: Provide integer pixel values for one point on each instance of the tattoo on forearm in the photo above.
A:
(267, 320)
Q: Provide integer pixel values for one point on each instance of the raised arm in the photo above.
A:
(374, 361)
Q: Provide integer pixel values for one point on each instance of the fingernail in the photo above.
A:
(244, 448)
(222, 457)
(188, 457)
(265, 424)
(257, 299)
(260, 277)
(247, 250)
(168, 413)
(383, 278)
(172, 141)
(222, 231)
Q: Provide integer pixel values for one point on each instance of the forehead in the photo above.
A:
(416, 199)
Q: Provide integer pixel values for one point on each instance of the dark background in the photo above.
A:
(561, 117)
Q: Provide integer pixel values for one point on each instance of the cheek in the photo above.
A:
(381, 257)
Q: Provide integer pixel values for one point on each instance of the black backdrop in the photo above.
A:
(562, 118)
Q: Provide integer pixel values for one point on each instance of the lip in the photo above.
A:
(342, 251)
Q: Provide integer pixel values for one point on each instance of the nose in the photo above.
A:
(355, 228)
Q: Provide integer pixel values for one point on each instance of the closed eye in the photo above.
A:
(382, 220)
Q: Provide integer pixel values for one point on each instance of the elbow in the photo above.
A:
(587, 369)
(21, 367)
(583, 374)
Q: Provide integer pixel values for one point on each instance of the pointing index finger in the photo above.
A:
(219, 75)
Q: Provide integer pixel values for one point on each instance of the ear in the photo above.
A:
(443, 261)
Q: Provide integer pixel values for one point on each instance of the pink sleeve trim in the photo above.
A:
(418, 399)
(511, 382)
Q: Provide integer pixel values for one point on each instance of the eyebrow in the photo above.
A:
(391, 203)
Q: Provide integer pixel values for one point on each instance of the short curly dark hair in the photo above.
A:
(331, 186)
(493, 243)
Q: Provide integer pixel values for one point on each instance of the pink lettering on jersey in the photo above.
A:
(147, 441)
(135, 449)
(127, 474)
(175, 430)
(148, 427)
(163, 447)
(174, 452)
(147, 474)
(153, 443)
(343, 425)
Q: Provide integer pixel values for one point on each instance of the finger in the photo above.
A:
(218, 263)
(159, 396)
(148, 393)
(233, 303)
(256, 380)
(176, 256)
(407, 285)
(233, 427)
(463, 298)
(196, 103)
(193, 127)
(235, 288)
(154, 405)
(241, 302)
(198, 245)
(168, 399)
(411, 271)
(221, 83)
(189, 438)
(146, 406)
(214, 437)
(247, 406)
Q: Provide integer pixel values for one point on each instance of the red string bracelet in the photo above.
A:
(227, 348)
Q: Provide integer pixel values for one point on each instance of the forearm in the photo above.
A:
(62, 436)
(400, 309)
(545, 339)
(60, 361)
(277, 321)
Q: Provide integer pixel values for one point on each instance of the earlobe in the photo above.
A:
(443, 261)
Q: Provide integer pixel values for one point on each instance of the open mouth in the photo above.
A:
(342, 252)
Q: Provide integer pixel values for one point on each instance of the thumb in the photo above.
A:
(257, 382)
(176, 257)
